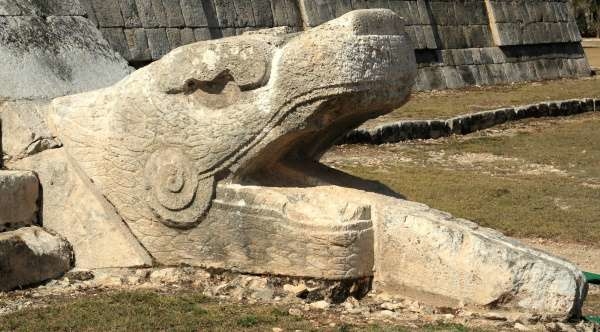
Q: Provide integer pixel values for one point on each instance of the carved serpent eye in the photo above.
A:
(173, 190)
(218, 74)
(217, 93)
(214, 87)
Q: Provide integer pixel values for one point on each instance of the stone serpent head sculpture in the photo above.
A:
(221, 110)
(210, 157)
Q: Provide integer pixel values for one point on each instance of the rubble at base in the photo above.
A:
(325, 302)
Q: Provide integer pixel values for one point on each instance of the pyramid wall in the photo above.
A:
(458, 43)
(49, 49)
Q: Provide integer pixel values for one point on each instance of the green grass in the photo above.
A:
(148, 311)
(568, 144)
(152, 311)
(446, 104)
(559, 205)
(248, 321)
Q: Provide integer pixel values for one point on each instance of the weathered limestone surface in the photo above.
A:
(172, 130)
(41, 8)
(31, 255)
(210, 157)
(48, 50)
(280, 231)
(431, 255)
(23, 129)
(72, 208)
(458, 43)
(18, 199)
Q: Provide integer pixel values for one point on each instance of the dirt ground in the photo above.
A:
(586, 257)
(593, 55)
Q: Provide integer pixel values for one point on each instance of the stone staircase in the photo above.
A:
(28, 253)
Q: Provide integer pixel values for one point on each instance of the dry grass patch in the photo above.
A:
(147, 311)
(152, 311)
(592, 305)
(449, 103)
(593, 55)
(537, 178)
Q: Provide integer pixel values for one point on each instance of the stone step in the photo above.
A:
(19, 192)
(31, 255)
(379, 132)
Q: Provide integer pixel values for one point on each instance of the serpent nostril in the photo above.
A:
(214, 87)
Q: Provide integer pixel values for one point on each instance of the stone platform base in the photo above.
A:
(465, 124)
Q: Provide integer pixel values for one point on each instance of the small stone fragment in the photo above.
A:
(80, 275)
(295, 312)
(264, 294)
(351, 303)
(385, 314)
(391, 306)
(494, 316)
(521, 327)
(322, 305)
(296, 290)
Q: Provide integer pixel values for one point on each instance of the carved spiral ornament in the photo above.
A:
(174, 192)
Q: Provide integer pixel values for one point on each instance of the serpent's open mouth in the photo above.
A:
(291, 159)
(374, 71)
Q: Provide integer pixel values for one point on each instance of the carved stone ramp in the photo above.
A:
(409, 249)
